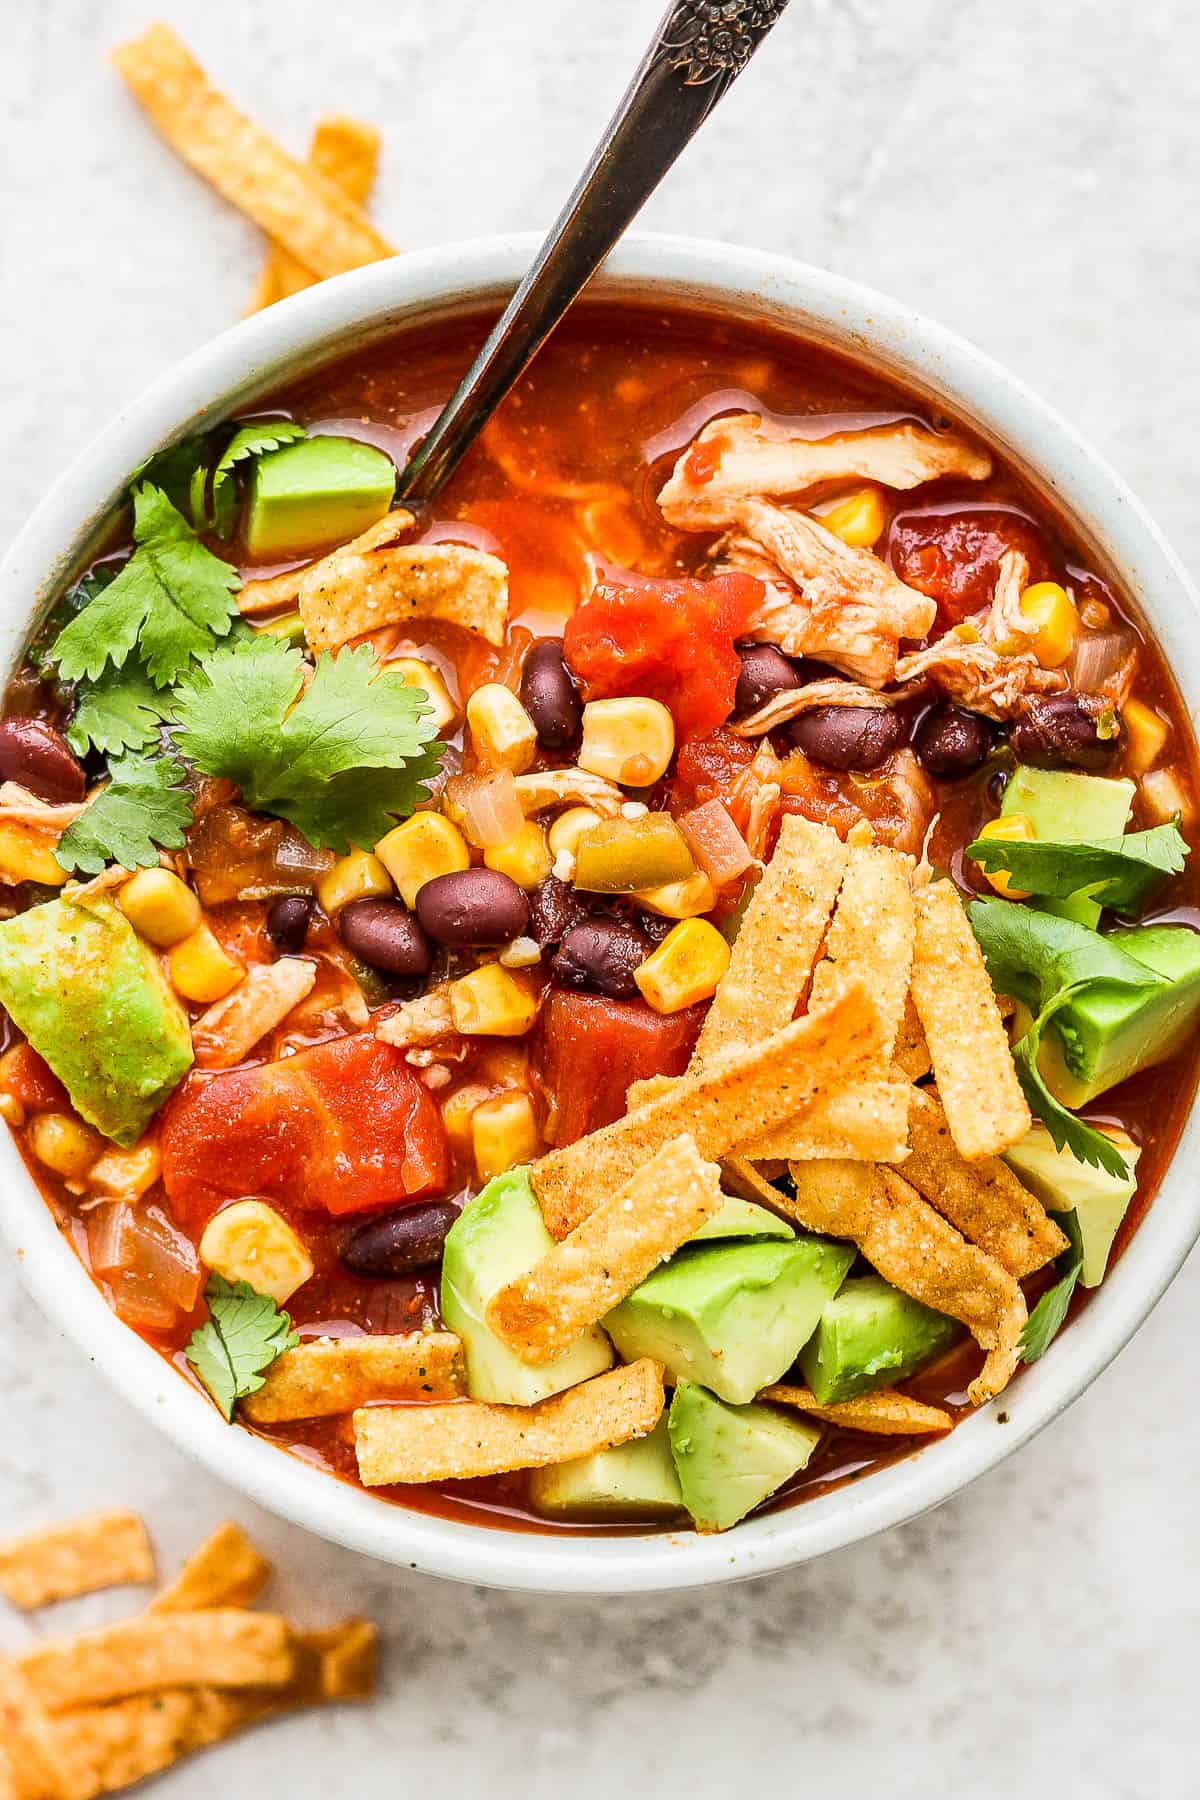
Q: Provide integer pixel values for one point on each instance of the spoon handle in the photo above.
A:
(696, 55)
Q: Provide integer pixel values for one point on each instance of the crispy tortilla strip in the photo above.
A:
(231, 1027)
(864, 1121)
(328, 1376)
(911, 1055)
(347, 1659)
(739, 1176)
(872, 934)
(886, 1412)
(968, 1045)
(453, 1443)
(226, 1646)
(101, 1550)
(982, 1199)
(38, 1767)
(227, 1570)
(268, 595)
(605, 1257)
(346, 152)
(354, 590)
(914, 1248)
(743, 1093)
(309, 216)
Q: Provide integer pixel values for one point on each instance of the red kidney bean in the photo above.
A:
(549, 695)
(1060, 731)
(856, 738)
(288, 919)
(950, 742)
(386, 935)
(472, 908)
(765, 672)
(599, 956)
(40, 758)
(401, 1242)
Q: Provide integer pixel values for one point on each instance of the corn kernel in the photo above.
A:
(159, 906)
(200, 970)
(630, 741)
(493, 1002)
(27, 855)
(418, 674)
(458, 1109)
(359, 876)
(248, 1241)
(857, 518)
(502, 732)
(1051, 610)
(64, 1143)
(504, 1133)
(12, 1111)
(423, 847)
(685, 968)
(127, 1173)
(680, 899)
(1164, 795)
(1145, 734)
(1012, 827)
(525, 858)
(569, 827)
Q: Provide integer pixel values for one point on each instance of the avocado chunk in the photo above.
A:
(1106, 1033)
(498, 1236)
(1063, 1184)
(313, 493)
(636, 1480)
(93, 1001)
(1065, 807)
(742, 1219)
(731, 1316)
(730, 1458)
(870, 1336)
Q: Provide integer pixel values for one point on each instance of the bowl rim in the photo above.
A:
(258, 354)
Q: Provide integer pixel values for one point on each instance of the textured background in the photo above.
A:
(1028, 174)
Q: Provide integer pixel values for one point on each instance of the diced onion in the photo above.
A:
(715, 842)
(147, 1255)
(487, 807)
(1096, 656)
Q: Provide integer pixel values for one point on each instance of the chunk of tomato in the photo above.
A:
(31, 1080)
(590, 1049)
(954, 556)
(344, 1127)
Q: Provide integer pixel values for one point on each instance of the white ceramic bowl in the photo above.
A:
(346, 314)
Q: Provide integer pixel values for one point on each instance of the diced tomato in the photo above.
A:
(954, 557)
(589, 1050)
(708, 769)
(344, 1127)
(30, 1079)
(672, 640)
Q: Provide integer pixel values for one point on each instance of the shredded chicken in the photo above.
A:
(791, 703)
(231, 1027)
(420, 1021)
(1004, 624)
(546, 788)
(763, 808)
(755, 457)
(19, 807)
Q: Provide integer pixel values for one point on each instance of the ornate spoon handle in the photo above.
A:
(696, 55)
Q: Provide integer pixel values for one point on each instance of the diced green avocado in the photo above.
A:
(498, 1236)
(731, 1316)
(870, 1336)
(1063, 1184)
(315, 492)
(93, 1000)
(742, 1219)
(636, 1480)
(730, 1458)
(1065, 807)
(1106, 1034)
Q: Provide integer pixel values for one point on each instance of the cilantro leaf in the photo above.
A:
(255, 439)
(1122, 873)
(121, 711)
(244, 1335)
(181, 471)
(1032, 956)
(1048, 1316)
(145, 805)
(173, 597)
(1069, 1133)
(340, 760)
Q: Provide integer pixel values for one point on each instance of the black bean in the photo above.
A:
(401, 1242)
(950, 742)
(288, 920)
(549, 695)
(847, 737)
(40, 759)
(553, 909)
(600, 956)
(386, 935)
(765, 672)
(655, 927)
(472, 907)
(1063, 731)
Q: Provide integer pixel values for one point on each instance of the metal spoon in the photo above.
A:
(696, 55)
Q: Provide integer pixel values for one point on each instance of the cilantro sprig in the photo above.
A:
(1049, 1315)
(258, 438)
(145, 806)
(1122, 873)
(244, 1334)
(121, 711)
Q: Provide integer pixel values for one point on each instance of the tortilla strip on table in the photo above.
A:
(225, 1646)
(346, 152)
(311, 217)
(273, 591)
(226, 1570)
(968, 1045)
(328, 1376)
(607, 1254)
(983, 1199)
(886, 1412)
(100, 1550)
(37, 1765)
(472, 1437)
(742, 1093)
(915, 1249)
